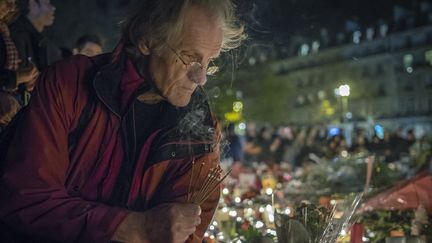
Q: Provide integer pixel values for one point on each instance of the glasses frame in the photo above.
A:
(210, 70)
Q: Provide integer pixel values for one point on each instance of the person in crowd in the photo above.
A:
(33, 47)
(410, 138)
(398, 142)
(375, 145)
(281, 143)
(360, 142)
(235, 150)
(88, 45)
(107, 144)
(336, 145)
(251, 149)
(11, 76)
(264, 141)
(387, 148)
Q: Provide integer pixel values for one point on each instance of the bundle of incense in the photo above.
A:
(210, 184)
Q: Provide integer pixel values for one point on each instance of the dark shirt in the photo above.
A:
(33, 45)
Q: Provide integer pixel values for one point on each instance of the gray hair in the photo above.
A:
(160, 21)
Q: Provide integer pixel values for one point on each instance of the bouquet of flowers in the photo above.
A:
(312, 224)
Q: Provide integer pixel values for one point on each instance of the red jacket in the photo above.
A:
(53, 192)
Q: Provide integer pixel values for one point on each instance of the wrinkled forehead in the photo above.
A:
(201, 29)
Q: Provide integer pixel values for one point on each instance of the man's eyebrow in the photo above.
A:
(192, 53)
(198, 55)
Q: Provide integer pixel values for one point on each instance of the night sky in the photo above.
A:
(268, 22)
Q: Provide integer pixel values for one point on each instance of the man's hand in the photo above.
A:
(28, 76)
(173, 222)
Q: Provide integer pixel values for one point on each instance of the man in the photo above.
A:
(88, 45)
(33, 47)
(106, 148)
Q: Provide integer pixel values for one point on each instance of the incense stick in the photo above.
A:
(211, 179)
(216, 186)
(190, 180)
(210, 184)
(206, 183)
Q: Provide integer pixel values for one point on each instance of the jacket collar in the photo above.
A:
(108, 79)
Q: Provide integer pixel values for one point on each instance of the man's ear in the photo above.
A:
(143, 47)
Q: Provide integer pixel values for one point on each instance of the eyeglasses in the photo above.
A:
(194, 67)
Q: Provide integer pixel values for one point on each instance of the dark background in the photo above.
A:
(269, 22)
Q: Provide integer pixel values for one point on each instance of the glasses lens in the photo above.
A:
(212, 70)
(197, 67)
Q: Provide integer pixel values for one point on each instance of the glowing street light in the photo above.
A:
(344, 90)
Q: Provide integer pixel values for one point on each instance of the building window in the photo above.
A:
(304, 50)
(370, 33)
(357, 37)
(429, 83)
(382, 92)
(379, 70)
(430, 105)
(383, 29)
(410, 106)
(315, 46)
(408, 87)
(302, 82)
(311, 98)
(321, 95)
(300, 100)
(366, 72)
(428, 57)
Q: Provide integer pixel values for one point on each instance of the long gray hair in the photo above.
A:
(158, 22)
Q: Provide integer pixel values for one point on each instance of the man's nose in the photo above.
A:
(198, 76)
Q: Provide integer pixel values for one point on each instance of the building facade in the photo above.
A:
(389, 77)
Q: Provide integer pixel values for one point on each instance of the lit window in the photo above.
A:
(370, 33)
(428, 56)
(304, 50)
(321, 94)
(300, 100)
(315, 46)
(383, 30)
(356, 37)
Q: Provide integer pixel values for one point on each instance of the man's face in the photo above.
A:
(43, 11)
(90, 49)
(200, 41)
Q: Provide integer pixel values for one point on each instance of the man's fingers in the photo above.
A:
(197, 221)
(190, 210)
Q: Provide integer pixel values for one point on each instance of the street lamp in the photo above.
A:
(344, 92)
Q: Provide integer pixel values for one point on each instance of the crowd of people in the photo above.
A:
(295, 145)
(25, 51)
